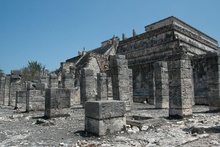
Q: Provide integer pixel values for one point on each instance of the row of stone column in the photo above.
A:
(171, 85)
(95, 87)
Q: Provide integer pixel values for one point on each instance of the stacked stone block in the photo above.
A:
(102, 92)
(53, 81)
(104, 117)
(87, 86)
(161, 85)
(7, 90)
(2, 90)
(35, 100)
(21, 98)
(180, 87)
(57, 102)
(121, 80)
(213, 77)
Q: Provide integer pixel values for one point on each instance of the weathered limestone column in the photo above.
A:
(7, 90)
(121, 80)
(2, 90)
(151, 81)
(87, 86)
(102, 93)
(180, 87)
(161, 85)
(67, 80)
(213, 77)
(53, 81)
(56, 102)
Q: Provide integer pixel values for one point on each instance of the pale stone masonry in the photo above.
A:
(104, 117)
(2, 91)
(180, 87)
(53, 81)
(161, 85)
(102, 91)
(7, 90)
(87, 85)
(57, 100)
(121, 80)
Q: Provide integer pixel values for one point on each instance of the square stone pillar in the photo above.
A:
(2, 90)
(53, 81)
(67, 80)
(104, 117)
(213, 77)
(161, 85)
(180, 88)
(121, 80)
(87, 86)
(56, 102)
(102, 92)
(7, 90)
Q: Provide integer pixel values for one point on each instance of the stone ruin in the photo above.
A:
(172, 66)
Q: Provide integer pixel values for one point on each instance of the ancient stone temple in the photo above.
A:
(173, 66)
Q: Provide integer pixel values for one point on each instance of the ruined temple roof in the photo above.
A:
(107, 46)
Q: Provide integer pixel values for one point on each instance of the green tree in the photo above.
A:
(32, 71)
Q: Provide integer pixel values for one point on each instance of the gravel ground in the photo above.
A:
(30, 129)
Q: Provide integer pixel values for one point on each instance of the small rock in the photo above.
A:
(214, 142)
(144, 128)
(63, 144)
(135, 129)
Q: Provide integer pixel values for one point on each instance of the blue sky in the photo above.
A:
(51, 31)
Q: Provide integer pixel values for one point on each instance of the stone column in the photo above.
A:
(180, 87)
(7, 90)
(161, 85)
(151, 81)
(87, 86)
(2, 90)
(121, 80)
(57, 102)
(53, 81)
(102, 86)
(67, 80)
(213, 77)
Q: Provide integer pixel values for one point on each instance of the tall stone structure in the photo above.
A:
(121, 80)
(88, 86)
(161, 84)
(102, 87)
(7, 90)
(53, 81)
(2, 90)
(180, 87)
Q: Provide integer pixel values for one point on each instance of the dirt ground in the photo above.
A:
(30, 129)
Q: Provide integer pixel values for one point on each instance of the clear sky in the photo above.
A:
(51, 31)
